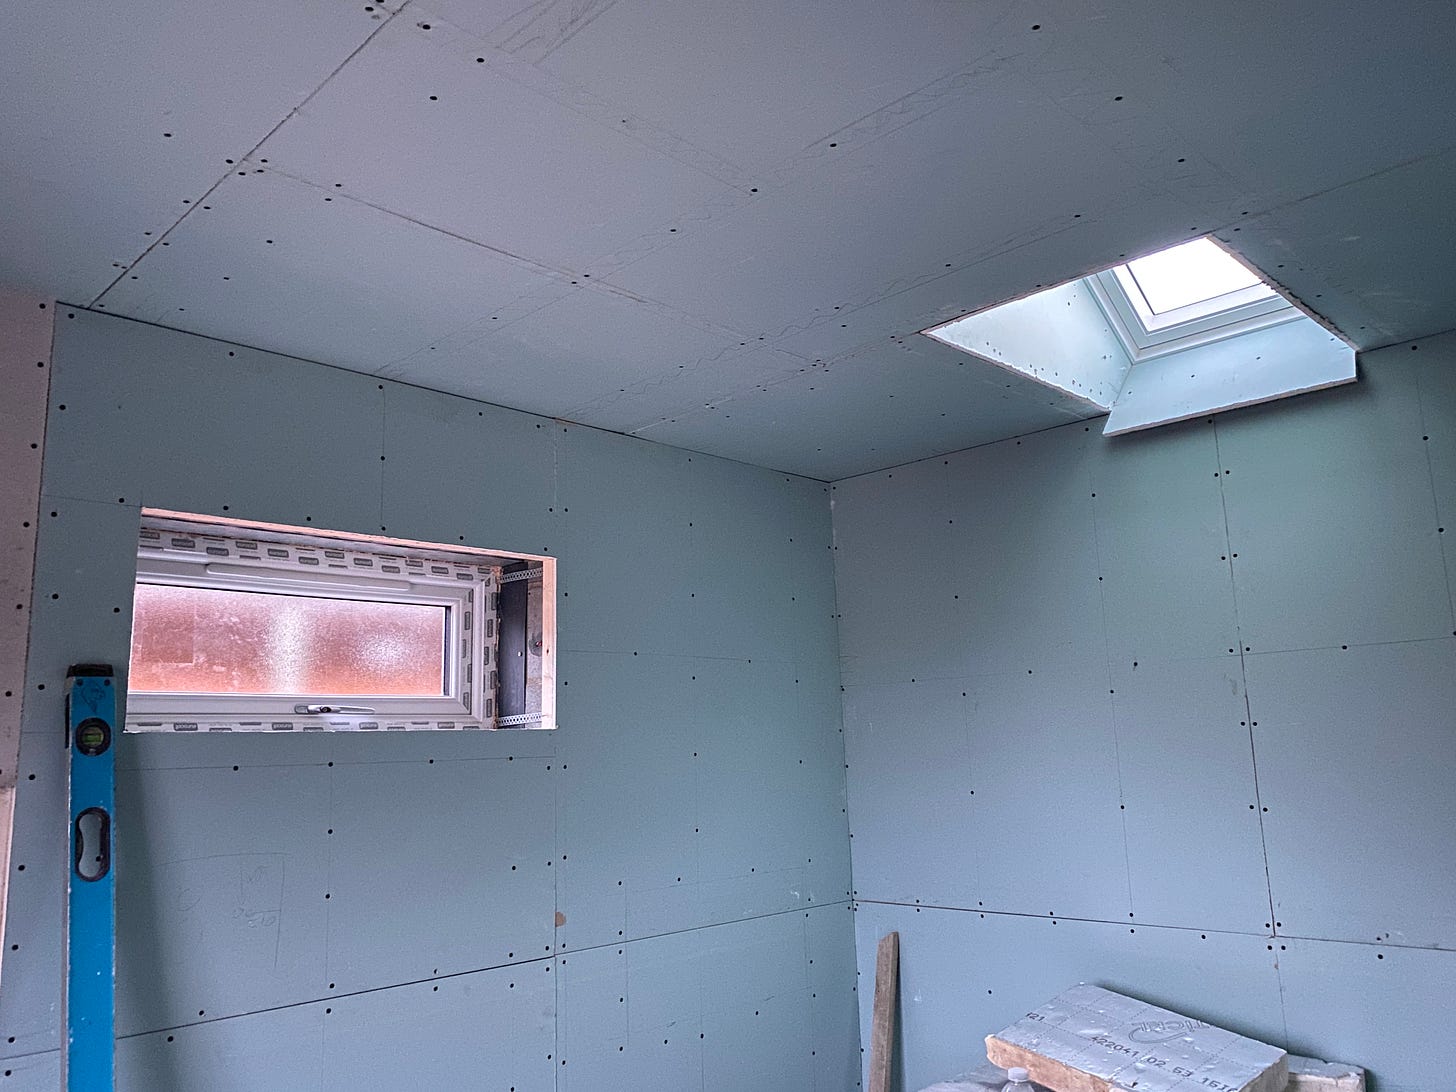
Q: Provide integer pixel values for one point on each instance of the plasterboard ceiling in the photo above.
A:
(718, 226)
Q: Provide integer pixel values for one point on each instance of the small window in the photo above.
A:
(249, 641)
(233, 630)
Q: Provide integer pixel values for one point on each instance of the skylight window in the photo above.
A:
(1190, 294)
(1190, 273)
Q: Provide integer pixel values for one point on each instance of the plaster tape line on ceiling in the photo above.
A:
(88, 1003)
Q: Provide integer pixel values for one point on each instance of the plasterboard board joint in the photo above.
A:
(1221, 473)
(246, 156)
(1112, 697)
(1435, 496)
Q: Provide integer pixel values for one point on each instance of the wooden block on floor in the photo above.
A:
(1088, 1039)
(1313, 1075)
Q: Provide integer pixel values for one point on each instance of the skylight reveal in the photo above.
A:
(1182, 333)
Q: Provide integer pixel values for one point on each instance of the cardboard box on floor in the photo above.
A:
(1087, 1039)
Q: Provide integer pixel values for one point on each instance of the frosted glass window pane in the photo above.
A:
(215, 641)
(1189, 273)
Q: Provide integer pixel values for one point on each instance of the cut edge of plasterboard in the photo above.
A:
(1143, 427)
(1081, 401)
(1306, 358)
(26, 329)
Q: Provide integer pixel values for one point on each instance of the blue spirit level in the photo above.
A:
(89, 1060)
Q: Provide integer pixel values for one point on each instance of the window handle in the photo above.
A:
(332, 709)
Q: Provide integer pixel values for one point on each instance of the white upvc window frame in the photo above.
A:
(465, 590)
(1147, 335)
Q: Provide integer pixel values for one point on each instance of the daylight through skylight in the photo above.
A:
(1182, 333)
(1190, 273)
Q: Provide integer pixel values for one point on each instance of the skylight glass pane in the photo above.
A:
(1188, 274)
(215, 641)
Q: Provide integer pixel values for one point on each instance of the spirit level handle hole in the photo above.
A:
(92, 844)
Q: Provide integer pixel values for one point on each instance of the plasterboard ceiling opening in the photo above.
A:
(1190, 330)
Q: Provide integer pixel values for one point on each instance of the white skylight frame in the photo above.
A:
(1146, 334)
